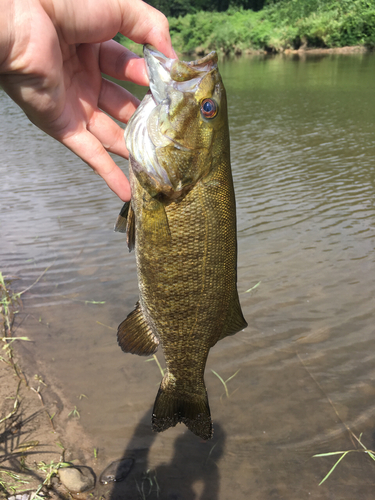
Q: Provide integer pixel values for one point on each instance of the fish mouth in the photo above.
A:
(166, 74)
(183, 76)
(158, 68)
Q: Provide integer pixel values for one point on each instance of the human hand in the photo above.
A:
(52, 54)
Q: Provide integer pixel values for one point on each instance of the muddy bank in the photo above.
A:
(41, 436)
(37, 429)
(302, 51)
(355, 49)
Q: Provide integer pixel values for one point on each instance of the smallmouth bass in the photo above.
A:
(181, 221)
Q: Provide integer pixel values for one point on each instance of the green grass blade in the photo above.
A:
(230, 378)
(222, 381)
(334, 467)
(331, 453)
(253, 287)
(4, 339)
(159, 365)
(218, 376)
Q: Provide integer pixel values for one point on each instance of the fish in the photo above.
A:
(181, 223)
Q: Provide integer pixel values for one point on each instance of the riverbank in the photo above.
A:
(38, 433)
(302, 51)
(287, 25)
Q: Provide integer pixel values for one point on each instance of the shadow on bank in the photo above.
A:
(191, 474)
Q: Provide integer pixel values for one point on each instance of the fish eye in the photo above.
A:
(209, 108)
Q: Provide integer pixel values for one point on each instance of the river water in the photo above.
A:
(303, 153)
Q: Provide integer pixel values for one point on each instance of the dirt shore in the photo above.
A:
(36, 431)
(355, 49)
(306, 51)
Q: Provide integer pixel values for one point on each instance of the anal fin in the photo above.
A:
(134, 335)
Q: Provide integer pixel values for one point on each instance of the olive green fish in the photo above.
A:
(181, 221)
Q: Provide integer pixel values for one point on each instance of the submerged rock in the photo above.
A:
(77, 479)
(116, 471)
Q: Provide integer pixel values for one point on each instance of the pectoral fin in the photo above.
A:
(125, 223)
(235, 321)
(135, 336)
(155, 222)
(122, 219)
(130, 236)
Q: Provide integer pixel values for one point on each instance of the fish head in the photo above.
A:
(180, 125)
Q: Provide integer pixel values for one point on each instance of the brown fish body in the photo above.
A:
(186, 251)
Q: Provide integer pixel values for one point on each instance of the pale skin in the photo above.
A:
(52, 54)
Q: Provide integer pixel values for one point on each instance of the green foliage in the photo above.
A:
(281, 24)
(221, 31)
(175, 8)
(326, 23)
(271, 25)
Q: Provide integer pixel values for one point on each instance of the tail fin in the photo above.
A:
(173, 406)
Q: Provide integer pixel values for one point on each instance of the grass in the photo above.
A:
(154, 358)
(74, 413)
(253, 287)
(11, 482)
(343, 454)
(15, 405)
(84, 301)
(50, 470)
(9, 301)
(148, 484)
(225, 382)
(355, 440)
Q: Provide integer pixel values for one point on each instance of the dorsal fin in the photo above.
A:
(135, 336)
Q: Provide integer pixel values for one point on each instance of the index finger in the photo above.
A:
(145, 24)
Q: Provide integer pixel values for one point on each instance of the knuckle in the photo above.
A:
(163, 22)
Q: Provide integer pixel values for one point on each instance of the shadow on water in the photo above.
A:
(192, 473)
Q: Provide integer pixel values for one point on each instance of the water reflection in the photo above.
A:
(303, 150)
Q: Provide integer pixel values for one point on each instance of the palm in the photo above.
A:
(54, 72)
